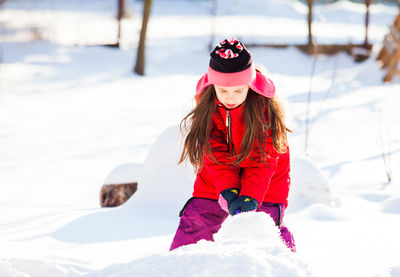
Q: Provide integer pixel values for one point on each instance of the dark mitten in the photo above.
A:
(243, 204)
(226, 197)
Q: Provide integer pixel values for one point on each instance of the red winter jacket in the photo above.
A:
(264, 183)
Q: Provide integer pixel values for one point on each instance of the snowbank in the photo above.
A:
(246, 245)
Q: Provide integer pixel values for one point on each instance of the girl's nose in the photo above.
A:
(230, 97)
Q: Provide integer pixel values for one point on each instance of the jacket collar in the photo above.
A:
(219, 104)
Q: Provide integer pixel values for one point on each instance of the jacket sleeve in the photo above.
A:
(256, 177)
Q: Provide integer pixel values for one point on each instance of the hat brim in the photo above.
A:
(263, 85)
(260, 84)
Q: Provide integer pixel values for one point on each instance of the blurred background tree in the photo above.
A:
(120, 15)
(140, 59)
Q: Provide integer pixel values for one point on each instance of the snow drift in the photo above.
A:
(246, 245)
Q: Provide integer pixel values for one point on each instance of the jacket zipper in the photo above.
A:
(228, 122)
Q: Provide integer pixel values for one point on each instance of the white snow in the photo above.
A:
(309, 185)
(246, 244)
(392, 205)
(75, 117)
(123, 174)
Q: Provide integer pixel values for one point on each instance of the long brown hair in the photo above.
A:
(197, 127)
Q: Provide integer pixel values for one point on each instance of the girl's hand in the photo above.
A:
(243, 204)
(226, 198)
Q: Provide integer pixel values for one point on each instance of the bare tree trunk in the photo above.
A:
(121, 14)
(367, 3)
(139, 67)
(122, 9)
(310, 16)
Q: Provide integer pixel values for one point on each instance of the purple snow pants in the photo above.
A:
(201, 218)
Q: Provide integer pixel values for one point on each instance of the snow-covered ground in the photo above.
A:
(70, 114)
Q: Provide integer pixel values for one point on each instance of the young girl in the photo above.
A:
(236, 140)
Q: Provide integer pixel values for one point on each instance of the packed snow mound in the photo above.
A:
(392, 205)
(247, 244)
(163, 184)
(250, 228)
(309, 185)
(123, 174)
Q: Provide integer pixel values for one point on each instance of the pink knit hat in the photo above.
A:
(231, 65)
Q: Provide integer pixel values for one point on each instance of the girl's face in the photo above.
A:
(231, 97)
